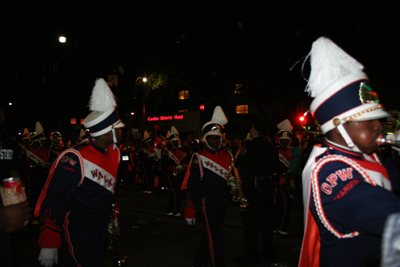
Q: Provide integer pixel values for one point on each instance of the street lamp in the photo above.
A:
(144, 80)
(63, 40)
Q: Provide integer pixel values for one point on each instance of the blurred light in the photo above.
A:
(202, 107)
(132, 113)
(62, 39)
(144, 79)
(10, 104)
(301, 118)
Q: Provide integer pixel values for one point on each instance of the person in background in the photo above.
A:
(147, 157)
(173, 164)
(241, 150)
(10, 166)
(258, 171)
(13, 219)
(283, 201)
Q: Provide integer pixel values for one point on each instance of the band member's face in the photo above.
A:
(364, 134)
(284, 143)
(175, 143)
(214, 141)
(253, 133)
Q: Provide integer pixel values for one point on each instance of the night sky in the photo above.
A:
(246, 39)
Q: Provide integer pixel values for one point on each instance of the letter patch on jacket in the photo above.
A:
(99, 175)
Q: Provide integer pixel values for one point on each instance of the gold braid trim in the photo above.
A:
(362, 113)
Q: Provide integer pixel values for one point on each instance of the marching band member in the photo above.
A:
(346, 190)
(75, 203)
(37, 164)
(173, 165)
(206, 182)
(147, 157)
(283, 202)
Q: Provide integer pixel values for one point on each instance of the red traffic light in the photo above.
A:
(301, 118)
(202, 107)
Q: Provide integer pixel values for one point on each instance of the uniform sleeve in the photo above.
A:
(52, 207)
(192, 190)
(168, 163)
(345, 201)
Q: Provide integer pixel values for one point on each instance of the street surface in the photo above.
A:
(151, 239)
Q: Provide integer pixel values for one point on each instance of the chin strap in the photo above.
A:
(347, 138)
(114, 136)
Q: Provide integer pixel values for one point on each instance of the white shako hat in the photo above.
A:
(173, 135)
(39, 133)
(104, 116)
(216, 125)
(82, 134)
(285, 130)
(340, 88)
(146, 137)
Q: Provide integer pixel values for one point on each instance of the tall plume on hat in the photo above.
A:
(216, 125)
(217, 117)
(146, 137)
(102, 98)
(285, 126)
(285, 129)
(39, 132)
(173, 135)
(340, 88)
(38, 128)
(329, 63)
(104, 116)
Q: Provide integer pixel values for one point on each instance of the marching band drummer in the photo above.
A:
(206, 182)
(75, 203)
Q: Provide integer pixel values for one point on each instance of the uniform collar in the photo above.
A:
(99, 148)
(336, 149)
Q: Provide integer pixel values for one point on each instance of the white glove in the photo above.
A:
(191, 221)
(178, 167)
(48, 257)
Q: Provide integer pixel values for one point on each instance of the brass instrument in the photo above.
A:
(177, 172)
(237, 190)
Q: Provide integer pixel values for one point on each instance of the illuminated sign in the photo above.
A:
(165, 118)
